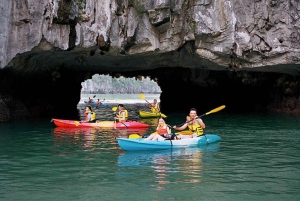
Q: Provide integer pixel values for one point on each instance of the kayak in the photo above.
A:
(146, 114)
(62, 131)
(95, 104)
(99, 124)
(135, 144)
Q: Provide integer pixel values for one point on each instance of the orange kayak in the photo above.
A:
(99, 124)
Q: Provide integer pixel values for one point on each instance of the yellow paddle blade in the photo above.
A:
(114, 109)
(216, 109)
(132, 136)
(76, 123)
(142, 96)
(164, 116)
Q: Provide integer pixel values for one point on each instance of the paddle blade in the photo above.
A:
(216, 109)
(114, 109)
(134, 136)
(142, 96)
(76, 123)
(162, 115)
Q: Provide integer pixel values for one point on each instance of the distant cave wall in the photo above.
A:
(49, 93)
(183, 89)
(55, 92)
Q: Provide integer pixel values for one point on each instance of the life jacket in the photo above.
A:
(195, 127)
(93, 117)
(162, 130)
(155, 109)
(120, 114)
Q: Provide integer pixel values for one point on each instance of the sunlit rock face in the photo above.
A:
(57, 44)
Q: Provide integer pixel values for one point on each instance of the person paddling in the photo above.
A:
(154, 106)
(122, 115)
(193, 123)
(89, 115)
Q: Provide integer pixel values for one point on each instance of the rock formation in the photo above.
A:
(201, 52)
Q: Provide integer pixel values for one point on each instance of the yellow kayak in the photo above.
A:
(146, 114)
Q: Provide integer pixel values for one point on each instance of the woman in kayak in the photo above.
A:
(89, 115)
(193, 123)
(163, 131)
(122, 116)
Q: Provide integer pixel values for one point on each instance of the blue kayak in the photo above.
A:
(135, 144)
(95, 104)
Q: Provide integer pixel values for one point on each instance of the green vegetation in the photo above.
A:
(192, 26)
(104, 84)
(81, 6)
(137, 4)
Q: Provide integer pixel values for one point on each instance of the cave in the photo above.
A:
(48, 84)
(201, 54)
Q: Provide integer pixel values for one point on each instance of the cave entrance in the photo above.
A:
(109, 89)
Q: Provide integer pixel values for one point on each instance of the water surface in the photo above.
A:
(257, 159)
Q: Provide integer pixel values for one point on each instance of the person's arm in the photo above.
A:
(122, 116)
(181, 128)
(168, 129)
(158, 108)
(201, 123)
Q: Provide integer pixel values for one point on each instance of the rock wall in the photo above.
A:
(230, 33)
(42, 41)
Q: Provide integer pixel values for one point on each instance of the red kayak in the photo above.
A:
(99, 124)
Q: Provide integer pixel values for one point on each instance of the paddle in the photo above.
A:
(134, 136)
(114, 109)
(143, 97)
(212, 111)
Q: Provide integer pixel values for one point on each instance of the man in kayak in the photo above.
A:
(163, 131)
(91, 100)
(154, 106)
(122, 115)
(98, 103)
(193, 123)
(89, 115)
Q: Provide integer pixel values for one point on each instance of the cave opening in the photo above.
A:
(101, 87)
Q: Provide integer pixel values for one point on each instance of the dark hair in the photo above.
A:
(121, 105)
(89, 107)
(193, 109)
(160, 118)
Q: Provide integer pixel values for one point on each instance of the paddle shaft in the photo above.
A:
(152, 106)
(191, 120)
(207, 113)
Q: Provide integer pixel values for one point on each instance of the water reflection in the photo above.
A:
(166, 166)
(89, 137)
(140, 158)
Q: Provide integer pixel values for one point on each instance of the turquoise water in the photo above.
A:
(257, 159)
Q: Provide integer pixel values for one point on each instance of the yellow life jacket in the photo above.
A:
(126, 114)
(156, 108)
(195, 127)
(93, 117)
